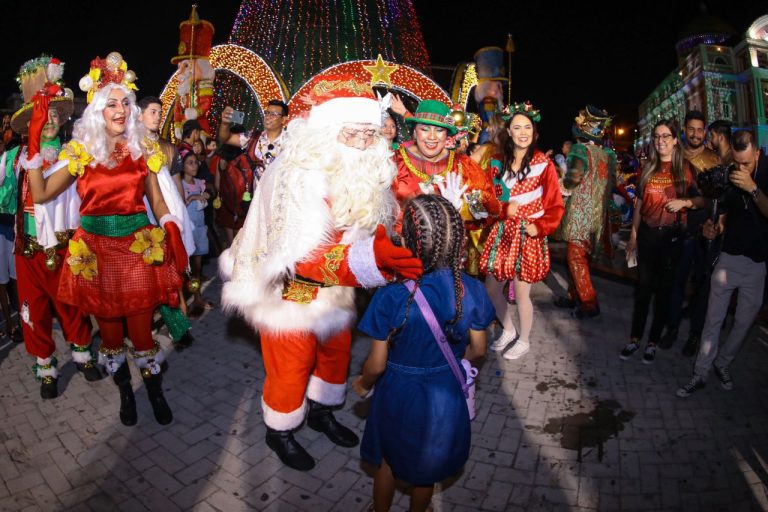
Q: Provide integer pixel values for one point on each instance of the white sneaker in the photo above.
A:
(502, 341)
(518, 350)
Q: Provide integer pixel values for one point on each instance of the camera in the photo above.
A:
(713, 182)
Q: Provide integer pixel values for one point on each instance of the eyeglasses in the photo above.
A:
(663, 136)
(269, 113)
(351, 133)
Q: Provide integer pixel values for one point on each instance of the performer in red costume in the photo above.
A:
(316, 229)
(516, 249)
(427, 166)
(119, 267)
(42, 230)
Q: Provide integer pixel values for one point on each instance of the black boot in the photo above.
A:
(122, 378)
(185, 341)
(288, 450)
(322, 420)
(154, 385)
(49, 388)
(90, 371)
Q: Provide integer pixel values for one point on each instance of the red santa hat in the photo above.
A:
(342, 99)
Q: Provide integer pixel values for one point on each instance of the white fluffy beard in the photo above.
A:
(359, 182)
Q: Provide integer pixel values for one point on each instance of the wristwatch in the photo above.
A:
(754, 192)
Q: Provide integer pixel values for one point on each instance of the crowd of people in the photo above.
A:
(113, 226)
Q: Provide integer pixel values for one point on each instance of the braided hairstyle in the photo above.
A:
(434, 232)
(509, 150)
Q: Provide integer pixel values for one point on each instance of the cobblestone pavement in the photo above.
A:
(568, 427)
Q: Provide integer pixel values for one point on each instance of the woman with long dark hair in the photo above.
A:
(516, 248)
(665, 192)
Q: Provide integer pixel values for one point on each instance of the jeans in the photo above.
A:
(658, 250)
(731, 273)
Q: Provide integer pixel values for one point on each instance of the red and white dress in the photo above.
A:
(123, 283)
(509, 251)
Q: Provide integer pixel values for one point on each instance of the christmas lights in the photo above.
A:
(300, 38)
(243, 80)
(403, 79)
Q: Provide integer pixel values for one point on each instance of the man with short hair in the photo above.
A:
(741, 265)
(719, 140)
(151, 112)
(699, 158)
(261, 147)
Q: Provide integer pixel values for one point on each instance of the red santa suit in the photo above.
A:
(42, 232)
(306, 243)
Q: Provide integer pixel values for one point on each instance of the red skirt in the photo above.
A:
(124, 284)
(509, 253)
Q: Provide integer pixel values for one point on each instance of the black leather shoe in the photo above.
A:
(322, 420)
(49, 388)
(89, 371)
(691, 347)
(154, 385)
(288, 450)
(122, 378)
(185, 341)
(582, 314)
(565, 302)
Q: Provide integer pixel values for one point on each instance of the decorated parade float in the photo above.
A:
(278, 52)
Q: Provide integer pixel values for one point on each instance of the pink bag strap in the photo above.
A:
(437, 332)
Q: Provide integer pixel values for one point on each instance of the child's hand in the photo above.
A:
(357, 386)
(206, 195)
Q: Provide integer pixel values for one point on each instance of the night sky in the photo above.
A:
(602, 53)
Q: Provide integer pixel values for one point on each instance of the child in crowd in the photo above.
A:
(197, 199)
(418, 426)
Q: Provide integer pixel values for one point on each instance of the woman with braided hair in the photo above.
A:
(418, 426)
(516, 249)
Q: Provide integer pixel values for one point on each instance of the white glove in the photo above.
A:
(452, 190)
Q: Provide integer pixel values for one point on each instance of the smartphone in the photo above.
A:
(238, 117)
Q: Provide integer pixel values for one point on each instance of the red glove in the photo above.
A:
(38, 121)
(393, 259)
(176, 246)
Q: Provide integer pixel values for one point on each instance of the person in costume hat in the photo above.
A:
(427, 166)
(589, 179)
(516, 248)
(43, 227)
(118, 267)
(318, 227)
(194, 93)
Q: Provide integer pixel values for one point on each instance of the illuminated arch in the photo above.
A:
(261, 79)
(403, 79)
(464, 80)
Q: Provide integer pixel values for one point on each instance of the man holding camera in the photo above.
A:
(260, 147)
(741, 266)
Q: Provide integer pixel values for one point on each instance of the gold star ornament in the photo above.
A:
(381, 71)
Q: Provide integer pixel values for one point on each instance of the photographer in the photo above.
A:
(741, 266)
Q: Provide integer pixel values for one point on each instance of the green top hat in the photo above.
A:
(435, 113)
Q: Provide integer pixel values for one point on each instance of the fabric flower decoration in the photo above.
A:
(78, 157)
(148, 243)
(81, 261)
(156, 158)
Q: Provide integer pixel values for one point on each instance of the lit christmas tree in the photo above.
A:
(301, 38)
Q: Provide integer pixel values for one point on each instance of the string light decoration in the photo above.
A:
(403, 80)
(300, 38)
(465, 79)
(243, 80)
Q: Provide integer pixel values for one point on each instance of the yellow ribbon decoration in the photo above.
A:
(148, 243)
(78, 157)
(81, 261)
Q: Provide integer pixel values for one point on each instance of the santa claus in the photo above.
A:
(317, 228)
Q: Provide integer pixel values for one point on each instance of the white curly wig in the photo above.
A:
(90, 130)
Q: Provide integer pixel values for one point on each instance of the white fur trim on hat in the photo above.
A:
(283, 420)
(362, 263)
(339, 111)
(326, 393)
